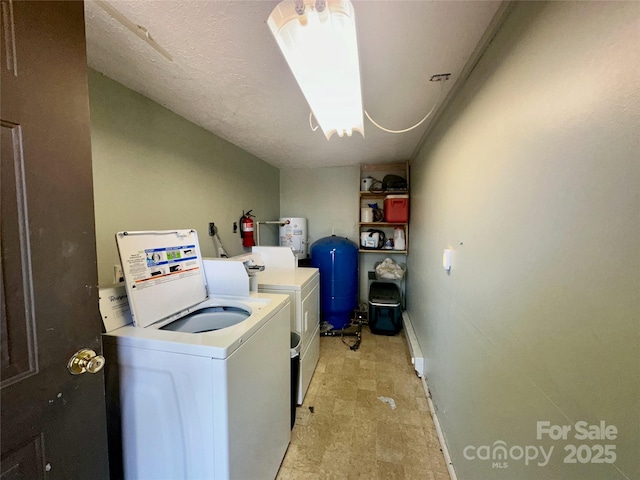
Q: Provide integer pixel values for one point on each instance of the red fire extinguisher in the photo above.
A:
(246, 229)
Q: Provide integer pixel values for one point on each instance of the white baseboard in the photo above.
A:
(414, 348)
(419, 365)
(436, 422)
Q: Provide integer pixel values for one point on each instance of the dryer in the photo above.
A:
(302, 284)
(198, 385)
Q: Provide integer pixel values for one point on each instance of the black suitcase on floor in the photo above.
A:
(385, 311)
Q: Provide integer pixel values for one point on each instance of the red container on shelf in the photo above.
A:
(396, 208)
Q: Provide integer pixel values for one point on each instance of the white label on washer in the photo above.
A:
(153, 266)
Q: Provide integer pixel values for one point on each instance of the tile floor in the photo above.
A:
(343, 431)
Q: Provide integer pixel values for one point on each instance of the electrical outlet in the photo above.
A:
(118, 274)
(212, 229)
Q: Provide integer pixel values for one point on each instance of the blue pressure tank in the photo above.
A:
(337, 259)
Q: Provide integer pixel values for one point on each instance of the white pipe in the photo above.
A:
(267, 222)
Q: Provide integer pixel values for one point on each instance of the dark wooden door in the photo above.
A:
(53, 423)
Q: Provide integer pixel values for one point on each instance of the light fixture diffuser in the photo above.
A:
(321, 49)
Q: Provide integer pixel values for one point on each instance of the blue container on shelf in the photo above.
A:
(337, 260)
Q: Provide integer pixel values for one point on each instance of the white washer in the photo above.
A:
(195, 388)
(302, 284)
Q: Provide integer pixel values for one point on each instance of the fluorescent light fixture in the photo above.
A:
(321, 48)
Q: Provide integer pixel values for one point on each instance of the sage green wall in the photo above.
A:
(327, 197)
(532, 177)
(154, 170)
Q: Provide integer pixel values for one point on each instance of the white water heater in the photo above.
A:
(293, 234)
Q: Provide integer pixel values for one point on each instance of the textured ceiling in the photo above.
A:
(229, 77)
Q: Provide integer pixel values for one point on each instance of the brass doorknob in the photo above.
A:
(85, 360)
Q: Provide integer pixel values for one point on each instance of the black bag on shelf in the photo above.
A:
(393, 182)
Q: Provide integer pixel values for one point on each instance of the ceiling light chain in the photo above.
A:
(313, 129)
(330, 83)
(437, 102)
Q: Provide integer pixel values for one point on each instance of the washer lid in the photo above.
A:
(163, 273)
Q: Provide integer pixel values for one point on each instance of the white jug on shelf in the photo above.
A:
(399, 242)
(366, 214)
